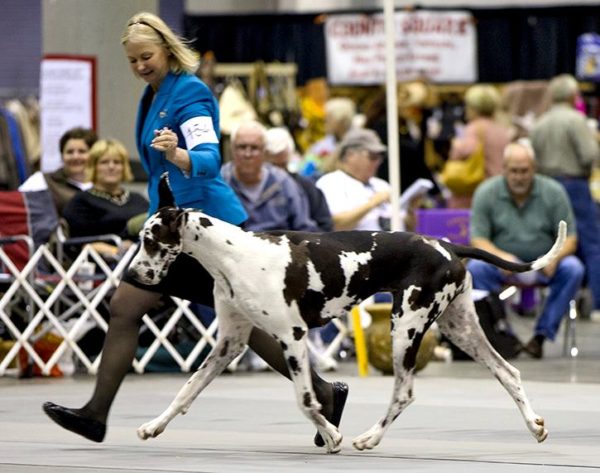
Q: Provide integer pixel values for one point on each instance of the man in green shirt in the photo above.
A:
(515, 216)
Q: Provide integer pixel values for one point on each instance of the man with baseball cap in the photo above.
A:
(356, 198)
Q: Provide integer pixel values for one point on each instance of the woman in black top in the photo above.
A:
(107, 206)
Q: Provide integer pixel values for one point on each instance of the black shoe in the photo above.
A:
(340, 394)
(69, 419)
(534, 348)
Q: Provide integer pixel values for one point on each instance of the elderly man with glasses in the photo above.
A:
(272, 199)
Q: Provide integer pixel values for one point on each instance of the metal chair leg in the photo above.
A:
(570, 343)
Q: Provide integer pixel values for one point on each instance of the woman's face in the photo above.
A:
(148, 61)
(109, 170)
(75, 156)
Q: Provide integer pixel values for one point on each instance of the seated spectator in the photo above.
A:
(482, 104)
(339, 116)
(71, 178)
(270, 195)
(515, 216)
(107, 207)
(280, 149)
(356, 198)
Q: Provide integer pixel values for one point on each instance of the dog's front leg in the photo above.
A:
(402, 395)
(296, 357)
(234, 331)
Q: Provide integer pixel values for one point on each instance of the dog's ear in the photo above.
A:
(165, 194)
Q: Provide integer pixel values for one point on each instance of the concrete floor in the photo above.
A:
(462, 420)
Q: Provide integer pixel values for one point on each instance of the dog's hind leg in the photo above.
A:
(295, 352)
(234, 331)
(461, 325)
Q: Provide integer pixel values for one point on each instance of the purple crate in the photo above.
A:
(452, 224)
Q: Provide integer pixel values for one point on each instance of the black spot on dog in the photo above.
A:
(299, 332)
(151, 246)
(296, 274)
(205, 222)
(196, 237)
(225, 349)
(272, 237)
(293, 364)
(411, 333)
(228, 242)
(150, 274)
(306, 399)
(228, 284)
(434, 312)
(413, 299)
(410, 357)
(383, 422)
(284, 346)
(264, 312)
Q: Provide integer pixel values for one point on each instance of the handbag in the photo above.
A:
(462, 176)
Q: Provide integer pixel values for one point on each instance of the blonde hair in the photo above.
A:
(483, 99)
(147, 27)
(341, 110)
(102, 148)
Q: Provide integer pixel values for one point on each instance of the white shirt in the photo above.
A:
(344, 193)
(37, 182)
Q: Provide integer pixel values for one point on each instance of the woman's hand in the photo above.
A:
(166, 140)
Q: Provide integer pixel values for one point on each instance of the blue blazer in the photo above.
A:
(183, 98)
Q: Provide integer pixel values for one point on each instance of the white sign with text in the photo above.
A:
(437, 46)
(66, 101)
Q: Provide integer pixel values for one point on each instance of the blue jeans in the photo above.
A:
(588, 230)
(562, 288)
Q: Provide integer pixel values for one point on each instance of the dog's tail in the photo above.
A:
(470, 252)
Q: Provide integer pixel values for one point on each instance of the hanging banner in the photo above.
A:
(67, 100)
(588, 57)
(431, 45)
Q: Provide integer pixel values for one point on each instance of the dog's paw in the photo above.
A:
(537, 429)
(151, 429)
(333, 440)
(370, 439)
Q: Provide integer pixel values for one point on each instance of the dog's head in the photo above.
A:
(160, 243)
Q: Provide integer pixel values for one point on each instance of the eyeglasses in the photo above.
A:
(247, 148)
(375, 156)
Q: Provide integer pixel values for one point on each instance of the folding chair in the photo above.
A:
(35, 281)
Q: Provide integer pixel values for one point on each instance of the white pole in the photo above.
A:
(392, 112)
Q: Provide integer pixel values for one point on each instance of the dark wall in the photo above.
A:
(515, 43)
(283, 38)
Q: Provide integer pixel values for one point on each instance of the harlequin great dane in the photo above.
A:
(288, 282)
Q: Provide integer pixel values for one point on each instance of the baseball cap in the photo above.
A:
(363, 138)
